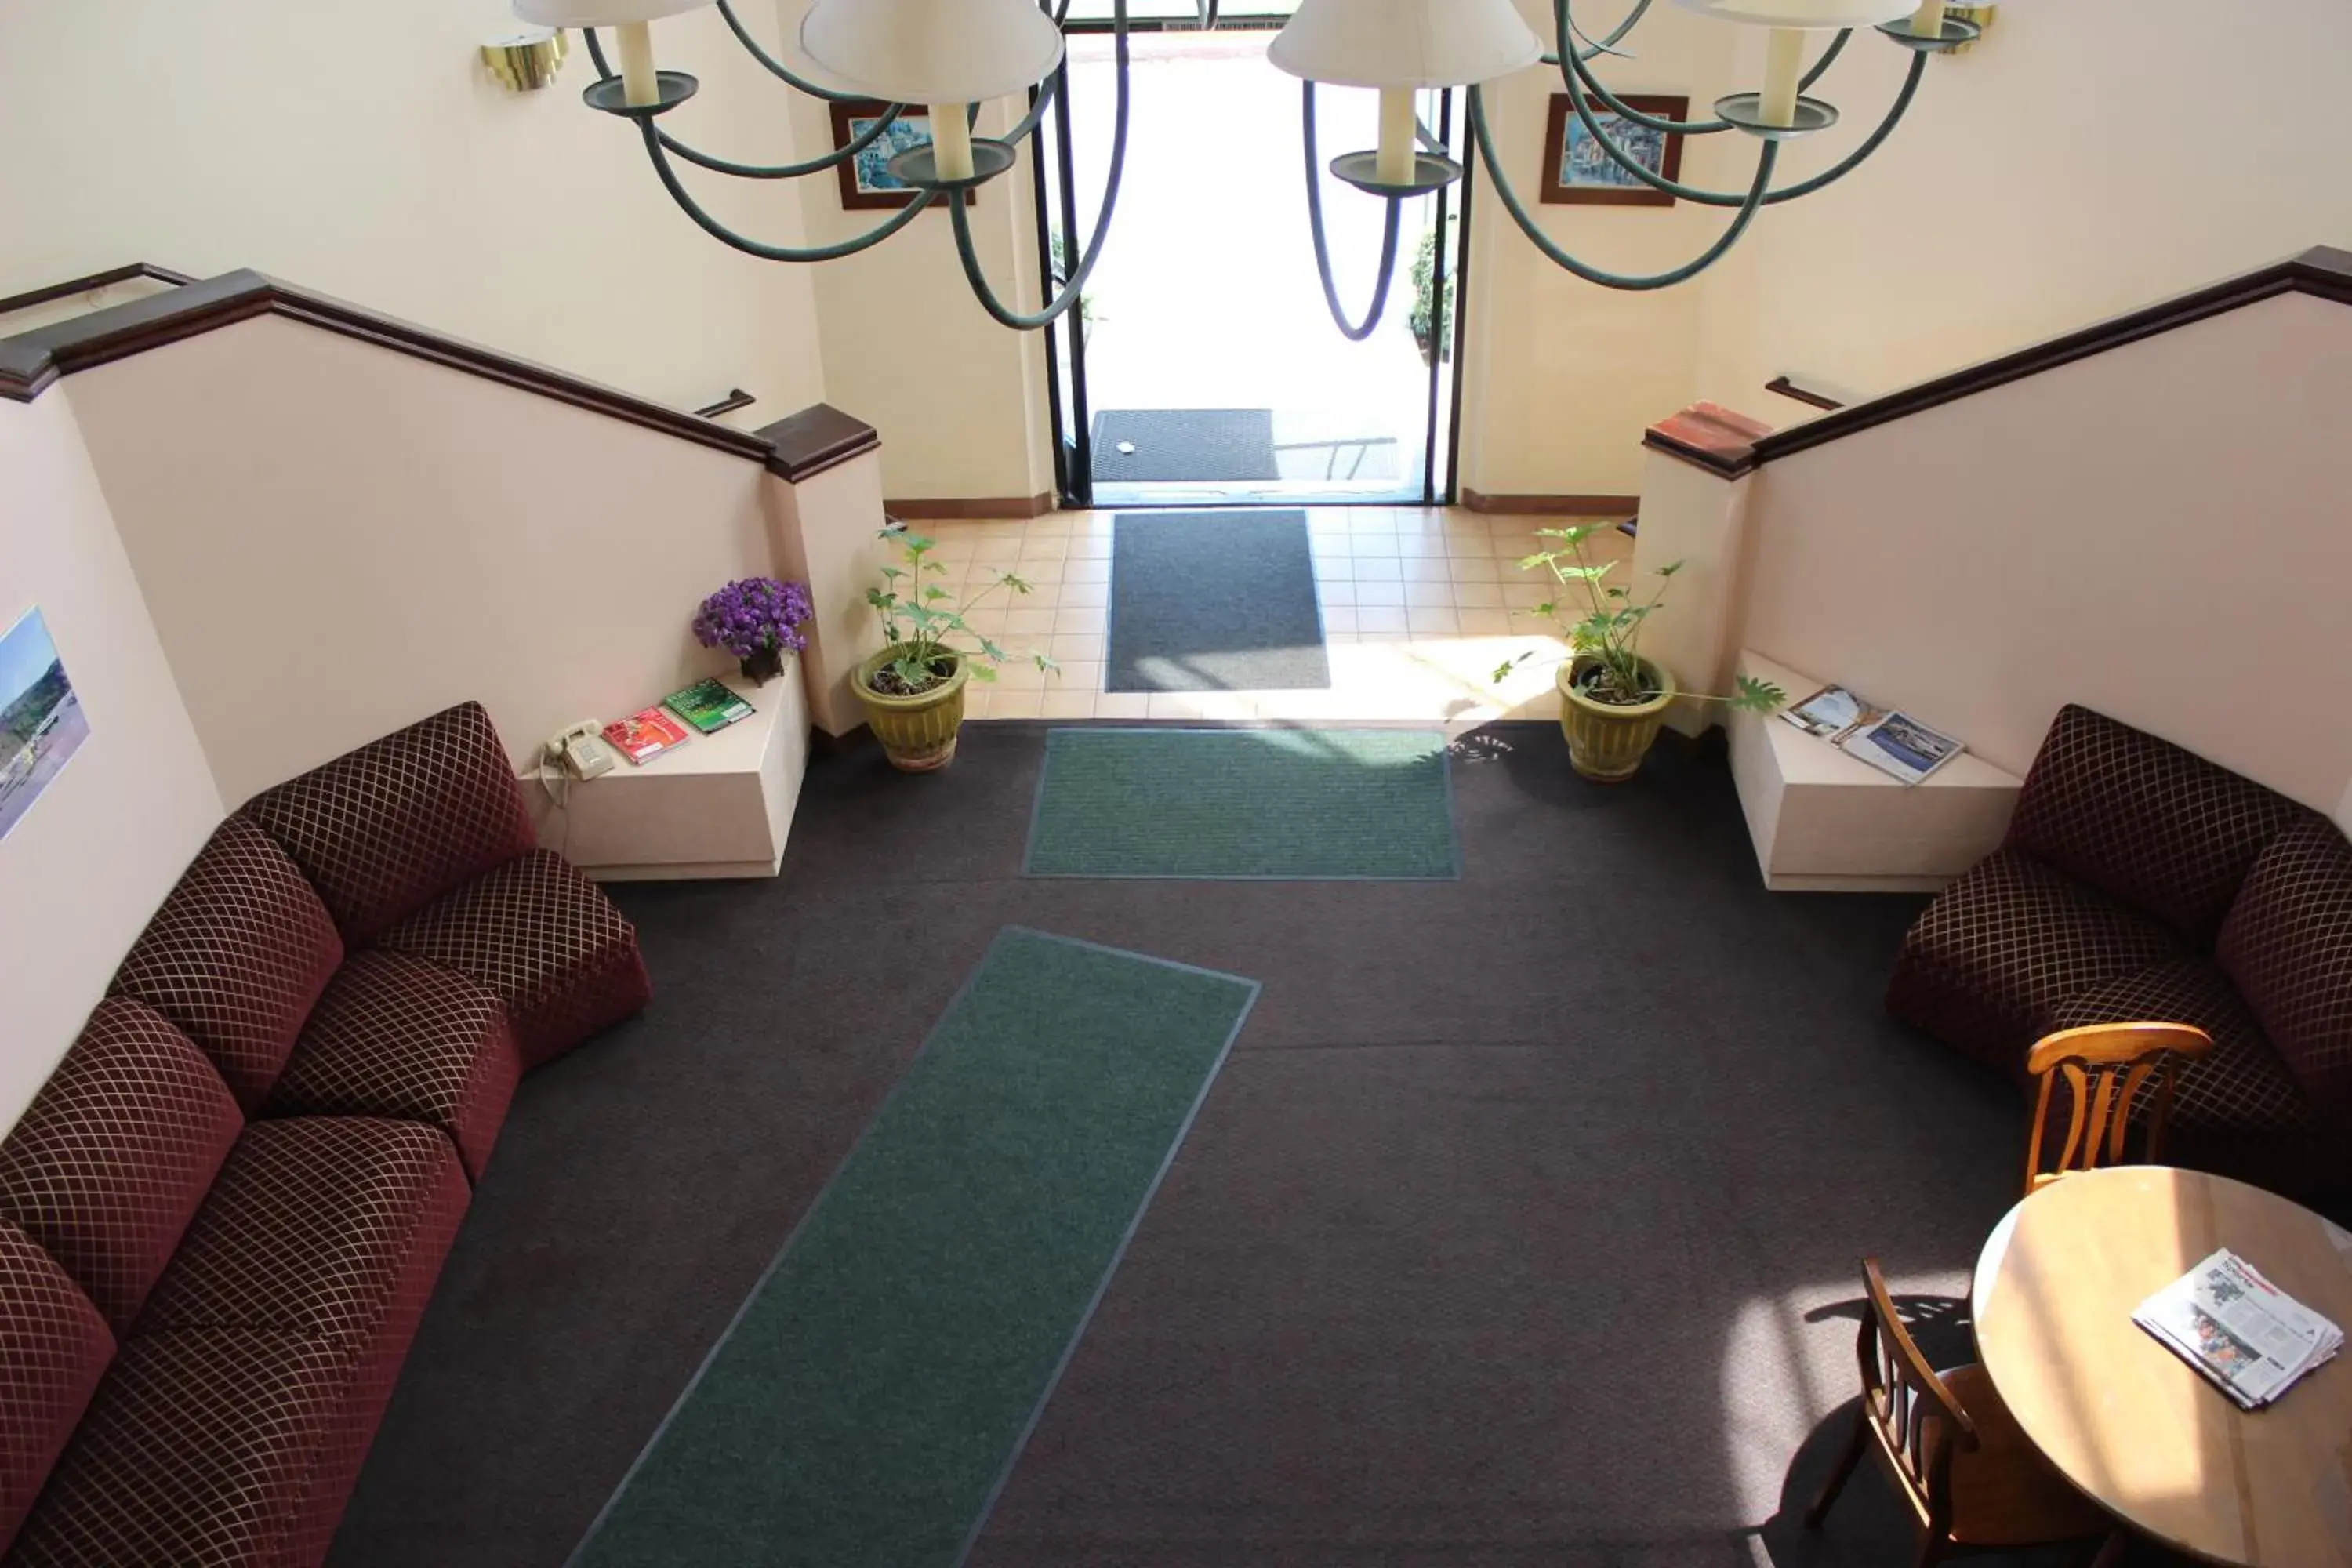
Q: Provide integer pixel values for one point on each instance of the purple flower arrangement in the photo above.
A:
(758, 620)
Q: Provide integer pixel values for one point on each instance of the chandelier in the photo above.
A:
(951, 57)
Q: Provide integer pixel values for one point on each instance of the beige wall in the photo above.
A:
(335, 540)
(83, 870)
(2158, 532)
(2059, 171)
(958, 399)
(366, 153)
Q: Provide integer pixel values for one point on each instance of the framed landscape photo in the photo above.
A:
(865, 179)
(1578, 169)
(41, 722)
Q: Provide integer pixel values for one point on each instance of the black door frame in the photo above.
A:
(1074, 449)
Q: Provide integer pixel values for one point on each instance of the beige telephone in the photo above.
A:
(581, 751)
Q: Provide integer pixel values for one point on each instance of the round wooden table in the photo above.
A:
(2126, 1420)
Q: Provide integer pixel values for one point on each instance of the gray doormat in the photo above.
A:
(1213, 601)
(1185, 445)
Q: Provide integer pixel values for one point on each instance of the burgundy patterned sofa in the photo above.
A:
(222, 1215)
(2140, 881)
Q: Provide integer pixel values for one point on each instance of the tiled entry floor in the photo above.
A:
(1418, 604)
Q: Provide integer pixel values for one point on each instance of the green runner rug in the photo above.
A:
(870, 1397)
(1243, 805)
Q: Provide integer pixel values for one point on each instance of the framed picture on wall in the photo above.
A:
(865, 179)
(41, 722)
(1578, 169)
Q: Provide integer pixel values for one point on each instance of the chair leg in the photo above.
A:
(1836, 1483)
(1932, 1547)
(2110, 1552)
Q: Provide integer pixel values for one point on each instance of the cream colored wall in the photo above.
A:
(367, 153)
(2158, 532)
(84, 869)
(2083, 159)
(958, 400)
(1564, 376)
(336, 539)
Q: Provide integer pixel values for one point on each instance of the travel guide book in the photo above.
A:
(1894, 744)
(642, 737)
(707, 705)
(2250, 1339)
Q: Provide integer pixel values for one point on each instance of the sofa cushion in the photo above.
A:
(2287, 944)
(54, 1346)
(1984, 965)
(235, 956)
(397, 1036)
(319, 1225)
(115, 1152)
(2158, 828)
(2241, 1082)
(202, 1445)
(389, 827)
(546, 940)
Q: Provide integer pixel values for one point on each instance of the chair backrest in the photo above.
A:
(2104, 1068)
(1913, 1414)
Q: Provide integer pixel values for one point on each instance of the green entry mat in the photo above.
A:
(869, 1399)
(1211, 805)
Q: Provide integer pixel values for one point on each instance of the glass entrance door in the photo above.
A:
(1202, 366)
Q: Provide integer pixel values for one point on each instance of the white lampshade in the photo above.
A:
(1809, 14)
(934, 51)
(600, 13)
(1404, 43)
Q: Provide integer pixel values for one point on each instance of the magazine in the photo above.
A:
(1832, 711)
(1900, 746)
(641, 737)
(2249, 1338)
(707, 705)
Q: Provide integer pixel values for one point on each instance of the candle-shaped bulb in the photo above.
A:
(950, 141)
(1784, 60)
(1395, 163)
(1927, 22)
(640, 85)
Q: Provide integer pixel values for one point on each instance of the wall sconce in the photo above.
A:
(526, 59)
(1980, 15)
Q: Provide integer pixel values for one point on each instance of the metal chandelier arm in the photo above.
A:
(1607, 46)
(1642, 172)
(1544, 242)
(1573, 62)
(1029, 320)
(840, 155)
(766, 252)
(1358, 333)
(775, 65)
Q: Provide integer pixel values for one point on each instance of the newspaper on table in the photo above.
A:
(2249, 1338)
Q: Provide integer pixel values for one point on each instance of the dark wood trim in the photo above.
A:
(1662, 106)
(1549, 505)
(736, 398)
(72, 286)
(2323, 271)
(1787, 388)
(954, 508)
(818, 437)
(1710, 437)
(811, 441)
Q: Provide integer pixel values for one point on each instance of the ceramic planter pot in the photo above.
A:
(918, 732)
(1607, 741)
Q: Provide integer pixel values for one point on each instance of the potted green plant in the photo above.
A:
(1612, 699)
(913, 688)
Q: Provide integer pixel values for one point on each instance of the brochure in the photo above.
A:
(1900, 746)
(707, 705)
(1831, 710)
(642, 737)
(2249, 1338)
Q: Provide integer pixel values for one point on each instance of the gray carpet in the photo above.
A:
(1183, 446)
(1520, 1229)
(1213, 601)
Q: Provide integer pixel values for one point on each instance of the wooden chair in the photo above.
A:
(2104, 1067)
(1972, 1478)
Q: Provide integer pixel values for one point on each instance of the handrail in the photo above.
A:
(793, 448)
(72, 286)
(736, 398)
(2324, 273)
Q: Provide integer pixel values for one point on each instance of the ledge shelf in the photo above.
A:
(1824, 822)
